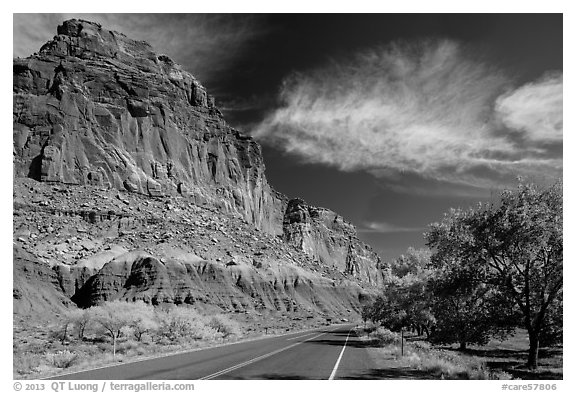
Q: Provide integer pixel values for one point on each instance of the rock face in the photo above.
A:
(94, 107)
(325, 235)
(119, 152)
(141, 276)
(36, 288)
(92, 244)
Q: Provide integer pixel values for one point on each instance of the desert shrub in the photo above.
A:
(26, 363)
(62, 359)
(500, 375)
(421, 345)
(225, 326)
(384, 336)
(447, 365)
(129, 347)
(183, 323)
(89, 351)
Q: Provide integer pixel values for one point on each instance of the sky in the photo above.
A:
(388, 119)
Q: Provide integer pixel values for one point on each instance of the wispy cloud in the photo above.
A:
(206, 44)
(427, 108)
(535, 109)
(386, 227)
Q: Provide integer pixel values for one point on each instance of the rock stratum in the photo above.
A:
(129, 184)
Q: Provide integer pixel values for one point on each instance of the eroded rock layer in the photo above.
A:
(129, 184)
(94, 107)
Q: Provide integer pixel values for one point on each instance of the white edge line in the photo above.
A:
(340, 357)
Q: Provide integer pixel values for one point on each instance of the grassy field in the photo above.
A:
(496, 360)
(510, 356)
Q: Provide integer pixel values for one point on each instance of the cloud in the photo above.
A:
(205, 44)
(427, 108)
(385, 227)
(535, 109)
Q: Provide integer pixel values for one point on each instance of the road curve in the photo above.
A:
(333, 352)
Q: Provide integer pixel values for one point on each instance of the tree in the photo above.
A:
(467, 311)
(79, 319)
(404, 302)
(515, 246)
(182, 323)
(63, 330)
(142, 321)
(113, 317)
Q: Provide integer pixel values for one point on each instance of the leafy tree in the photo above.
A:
(552, 326)
(516, 247)
(414, 262)
(467, 311)
(142, 321)
(404, 302)
(79, 319)
(113, 317)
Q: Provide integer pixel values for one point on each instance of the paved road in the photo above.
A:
(330, 353)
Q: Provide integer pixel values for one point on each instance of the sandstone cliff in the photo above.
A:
(321, 233)
(94, 107)
(129, 184)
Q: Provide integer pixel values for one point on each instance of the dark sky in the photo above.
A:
(387, 119)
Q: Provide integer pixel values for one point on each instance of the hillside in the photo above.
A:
(129, 184)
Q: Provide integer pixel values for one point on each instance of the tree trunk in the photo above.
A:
(534, 347)
(114, 347)
(65, 334)
(462, 345)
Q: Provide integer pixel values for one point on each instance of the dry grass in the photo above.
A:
(510, 356)
(432, 362)
(39, 351)
(499, 359)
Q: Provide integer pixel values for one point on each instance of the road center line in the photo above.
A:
(246, 363)
(340, 357)
(295, 338)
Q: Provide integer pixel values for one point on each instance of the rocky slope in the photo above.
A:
(128, 183)
(325, 235)
(92, 244)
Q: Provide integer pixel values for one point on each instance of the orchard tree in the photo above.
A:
(143, 320)
(517, 248)
(79, 319)
(113, 317)
(466, 309)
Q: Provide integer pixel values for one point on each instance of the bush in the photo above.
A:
(225, 326)
(448, 365)
(182, 323)
(384, 336)
(62, 359)
(421, 345)
(26, 363)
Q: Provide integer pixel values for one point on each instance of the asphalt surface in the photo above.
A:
(333, 352)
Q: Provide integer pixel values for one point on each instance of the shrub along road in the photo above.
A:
(331, 353)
